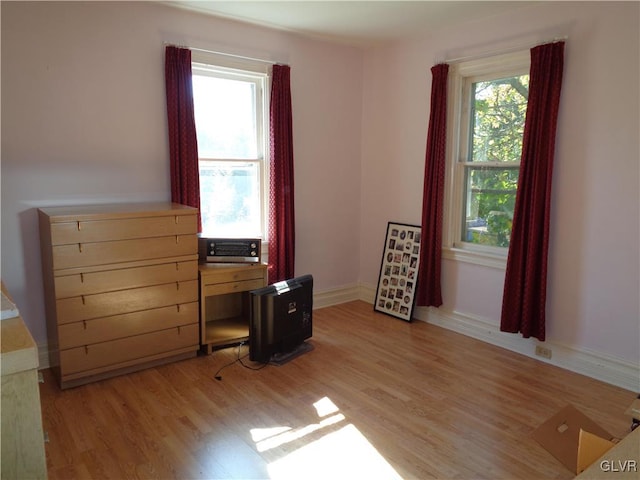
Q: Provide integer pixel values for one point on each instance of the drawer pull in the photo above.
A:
(83, 301)
(179, 330)
(177, 285)
(84, 324)
(80, 247)
(176, 219)
(177, 266)
(178, 308)
(177, 238)
(82, 278)
(86, 350)
(79, 227)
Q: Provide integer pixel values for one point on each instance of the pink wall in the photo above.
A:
(83, 121)
(594, 258)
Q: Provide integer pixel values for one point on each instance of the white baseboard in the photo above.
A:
(43, 356)
(580, 360)
(336, 296)
(595, 365)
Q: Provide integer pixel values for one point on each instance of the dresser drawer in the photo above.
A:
(84, 231)
(86, 307)
(112, 353)
(104, 329)
(210, 274)
(231, 287)
(120, 279)
(104, 253)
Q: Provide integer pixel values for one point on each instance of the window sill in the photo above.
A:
(264, 257)
(475, 257)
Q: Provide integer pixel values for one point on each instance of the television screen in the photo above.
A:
(280, 318)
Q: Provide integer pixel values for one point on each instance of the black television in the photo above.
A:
(280, 320)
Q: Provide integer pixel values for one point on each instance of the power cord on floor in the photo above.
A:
(217, 375)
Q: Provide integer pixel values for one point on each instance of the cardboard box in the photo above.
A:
(622, 462)
(574, 439)
(634, 412)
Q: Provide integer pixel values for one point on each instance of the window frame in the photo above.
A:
(222, 66)
(461, 75)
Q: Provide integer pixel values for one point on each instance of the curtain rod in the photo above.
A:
(242, 57)
(515, 48)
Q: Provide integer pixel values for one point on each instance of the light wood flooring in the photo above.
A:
(377, 398)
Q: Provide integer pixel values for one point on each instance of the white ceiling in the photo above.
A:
(356, 23)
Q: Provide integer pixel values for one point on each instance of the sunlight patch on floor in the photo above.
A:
(291, 435)
(342, 453)
(325, 407)
(345, 453)
(260, 434)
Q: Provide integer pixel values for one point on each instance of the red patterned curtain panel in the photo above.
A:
(524, 298)
(281, 211)
(183, 145)
(429, 291)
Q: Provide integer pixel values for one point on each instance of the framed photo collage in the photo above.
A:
(399, 271)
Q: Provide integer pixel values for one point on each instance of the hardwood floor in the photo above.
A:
(376, 398)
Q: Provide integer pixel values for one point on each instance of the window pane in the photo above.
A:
(229, 199)
(225, 115)
(499, 108)
(490, 199)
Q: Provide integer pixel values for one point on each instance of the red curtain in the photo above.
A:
(429, 291)
(183, 146)
(281, 211)
(524, 298)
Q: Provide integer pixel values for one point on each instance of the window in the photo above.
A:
(488, 112)
(230, 106)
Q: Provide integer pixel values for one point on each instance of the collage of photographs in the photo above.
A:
(399, 271)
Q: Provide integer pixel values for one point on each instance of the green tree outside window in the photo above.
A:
(498, 111)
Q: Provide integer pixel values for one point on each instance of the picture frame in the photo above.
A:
(398, 278)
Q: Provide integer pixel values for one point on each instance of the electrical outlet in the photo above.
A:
(543, 351)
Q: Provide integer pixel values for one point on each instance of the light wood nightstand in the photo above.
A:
(224, 301)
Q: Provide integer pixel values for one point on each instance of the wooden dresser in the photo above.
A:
(121, 287)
